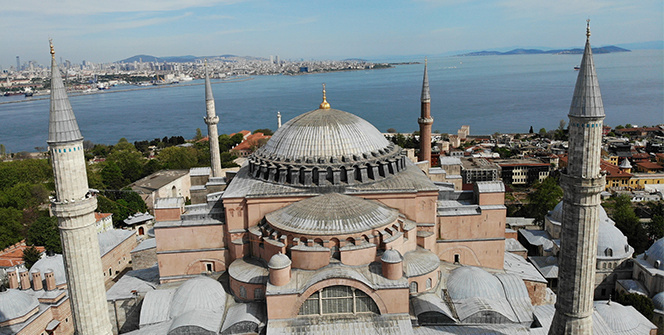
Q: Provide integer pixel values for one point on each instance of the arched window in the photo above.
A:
(141, 231)
(174, 191)
(413, 287)
(608, 252)
(429, 281)
(338, 300)
(243, 292)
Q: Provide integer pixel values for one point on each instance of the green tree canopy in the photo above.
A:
(112, 176)
(546, 196)
(11, 229)
(265, 131)
(640, 302)
(621, 211)
(44, 231)
(30, 256)
(128, 159)
(178, 158)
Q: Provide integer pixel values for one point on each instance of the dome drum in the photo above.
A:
(329, 172)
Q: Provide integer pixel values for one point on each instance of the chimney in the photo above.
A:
(50, 280)
(37, 284)
(12, 276)
(25, 279)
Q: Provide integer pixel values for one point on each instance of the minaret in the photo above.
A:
(211, 120)
(582, 185)
(74, 207)
(278, 120)
(425, 120)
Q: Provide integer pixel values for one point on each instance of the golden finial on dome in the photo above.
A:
(324, 104)
(588, 27)
(50, 42)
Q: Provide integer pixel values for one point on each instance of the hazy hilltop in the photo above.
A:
(573, 51)
(183, 59)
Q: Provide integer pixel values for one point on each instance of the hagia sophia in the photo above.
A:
(330, 228)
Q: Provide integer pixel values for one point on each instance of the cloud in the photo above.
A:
(91, 7)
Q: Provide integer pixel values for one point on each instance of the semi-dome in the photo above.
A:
(472, 282)
(54, 263)
(199, 293)
(15, 304)
(614, 314)
(655, 252)
(326, 147)
(611, 243)
(330, 214)
(391, 256)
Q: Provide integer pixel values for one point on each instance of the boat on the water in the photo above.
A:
(577, 68)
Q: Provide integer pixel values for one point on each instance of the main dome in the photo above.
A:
(326, 147)
(324, 133)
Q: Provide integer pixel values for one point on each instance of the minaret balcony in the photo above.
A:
(74, 207)
(425, 120)
(211, 120)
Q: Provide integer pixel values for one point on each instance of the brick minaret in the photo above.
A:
(211, 120)
(425, 120)
(74, 208)
(582, 184)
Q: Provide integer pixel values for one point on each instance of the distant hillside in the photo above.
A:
(183, 59)
(600, 50)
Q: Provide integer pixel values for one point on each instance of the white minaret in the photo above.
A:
(74, 207)
(582, 184)
(278, 120)
(211, 120)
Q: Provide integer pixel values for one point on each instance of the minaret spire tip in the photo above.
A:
(588, 28)
(324, 104)
(50, 43)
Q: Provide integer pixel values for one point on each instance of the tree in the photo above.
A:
(391, 130)
(10, 226)
(178, 158)
(546, 196)
(112, 177)
(128, 159)
(199, 134)
(45, 232)
(542, 132)
(30, 256)
(265, 131)
(621, 211)
(641, 303)
(531, 131)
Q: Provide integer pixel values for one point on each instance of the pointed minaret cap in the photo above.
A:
(62, 126)
(587, 100)
(208, 86)
(426, 97)
(324, 104)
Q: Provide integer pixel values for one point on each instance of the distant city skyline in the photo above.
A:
(111, 31)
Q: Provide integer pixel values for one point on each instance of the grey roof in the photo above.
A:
(198, 293)
(279, 261)
(15, 304)
(429, 302)
(138, 218)
(610, 237)
(655, 252)
(478, 329)
(391, 256)
(249, 270)
(587, 99)
(146, 244)
(197, 322)
(547, 266)
(512, 245)
(157, 180)
(490, 186)
(469, 281)
(420, 262)
(17, 328)
(390, 324)
(331, 213)
(156, 305)
(54, 263)
(538, 237)
(125, 287)
(111, 238)
(244, 313)
(470, 307)
(426, 97)
(164, 203)
(517, 265)
(324, 133)
(62, 126)
(633, 286)
(625, 164)
(447, 160)
(518, 297)
(200, 171)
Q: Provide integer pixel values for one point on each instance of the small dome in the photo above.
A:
(15, 304)
(420, 262)
(469, 282)
(656, 252)
(202, 293)
(614, 314)
(279, 261)
(611, 243)
(324, 133)
(391, 256)
(625, 164)
(556, 215)
(658, 300)
(54, 263)
(331, 214)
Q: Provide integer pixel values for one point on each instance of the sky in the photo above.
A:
(111, 30)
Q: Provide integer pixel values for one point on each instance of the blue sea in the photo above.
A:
(489, 93)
